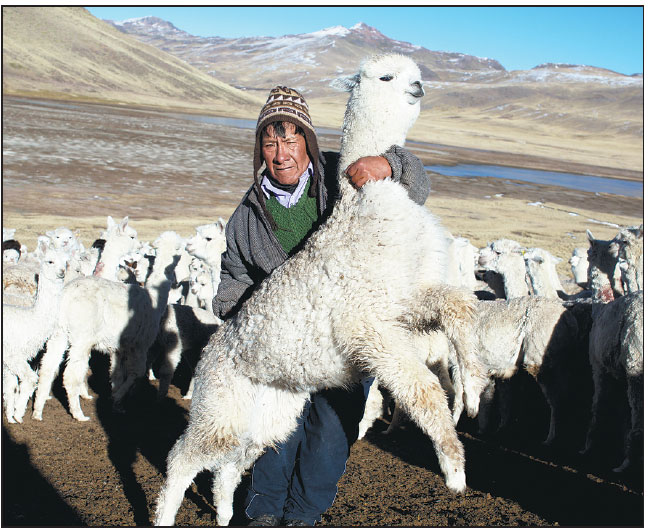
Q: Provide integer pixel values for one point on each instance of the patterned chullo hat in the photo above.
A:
(286, 104)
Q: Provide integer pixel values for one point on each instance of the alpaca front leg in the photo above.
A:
(48, 369)
(183, 463)
(9, 393)
(190, 389)
(226, 478)
(486, 406)
(373, 409)
(27, 383)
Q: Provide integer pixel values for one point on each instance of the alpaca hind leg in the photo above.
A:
(634, 437)
(183, 464)
(48, 369)
(27, 384)
(391, 356)
(74, 377)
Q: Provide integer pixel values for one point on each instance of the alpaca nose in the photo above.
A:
(417, 89)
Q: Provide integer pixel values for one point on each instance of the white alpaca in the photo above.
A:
(19, 280)
(533, 333)
(579, 265)
(119, 242)
(119, 319)
(24, 332)
(202, 290)
(461, 263)
(630, 258)
(207, 245)
(505, 258)
(64, 239)
(541, 270)
(615, 352)
(184, 331)
(348, 304)
(603, 255)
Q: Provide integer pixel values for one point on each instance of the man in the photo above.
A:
(294, 191)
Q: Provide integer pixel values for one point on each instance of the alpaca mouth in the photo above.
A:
(417, 90)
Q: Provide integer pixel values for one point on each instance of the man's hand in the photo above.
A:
(368, 168)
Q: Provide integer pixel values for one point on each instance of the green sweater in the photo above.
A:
(294, 223)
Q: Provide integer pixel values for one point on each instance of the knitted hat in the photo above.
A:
(286, 104)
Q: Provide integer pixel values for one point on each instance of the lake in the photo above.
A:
(594, 184)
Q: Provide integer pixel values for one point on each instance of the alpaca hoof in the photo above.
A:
(87, 397)
(11, 420)
(187, 397)
(80, 417)
(457, 482)
(37, 416)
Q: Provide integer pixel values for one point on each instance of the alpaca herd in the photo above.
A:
(439, 323)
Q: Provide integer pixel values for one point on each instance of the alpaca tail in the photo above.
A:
(452, 310)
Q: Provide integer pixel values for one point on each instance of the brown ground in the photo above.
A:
(72, 167)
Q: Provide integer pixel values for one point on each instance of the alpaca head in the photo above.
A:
(53, 265)
(579, 265)
(63, 238)
(386, 90)
(209, 242)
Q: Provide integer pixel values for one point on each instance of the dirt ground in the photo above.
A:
(72, 166)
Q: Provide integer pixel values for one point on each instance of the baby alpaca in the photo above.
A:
(24, 332)
(119, 319)
(349, 304)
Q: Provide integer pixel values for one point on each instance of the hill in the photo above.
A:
(65, 52)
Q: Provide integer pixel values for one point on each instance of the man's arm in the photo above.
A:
(234, 278)
(402, 166)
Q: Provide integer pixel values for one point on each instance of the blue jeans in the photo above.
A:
(299, 479)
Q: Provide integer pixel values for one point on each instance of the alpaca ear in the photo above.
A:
(590, 237)
(123, 225)
(110, 222)
(346, 84)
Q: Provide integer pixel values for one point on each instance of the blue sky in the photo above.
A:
(517, 37)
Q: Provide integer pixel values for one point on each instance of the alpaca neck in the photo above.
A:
(108, 263)
(48, 296)
(365, 132)
(160, 280)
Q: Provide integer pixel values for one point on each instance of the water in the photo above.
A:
(593, 184)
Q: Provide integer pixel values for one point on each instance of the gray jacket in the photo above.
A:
(253, 250)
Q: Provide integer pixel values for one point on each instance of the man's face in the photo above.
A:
(286, 158)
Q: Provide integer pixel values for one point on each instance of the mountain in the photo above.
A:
(307, 61)
(66, 52)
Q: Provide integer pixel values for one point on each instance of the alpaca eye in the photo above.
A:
(387, 77)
